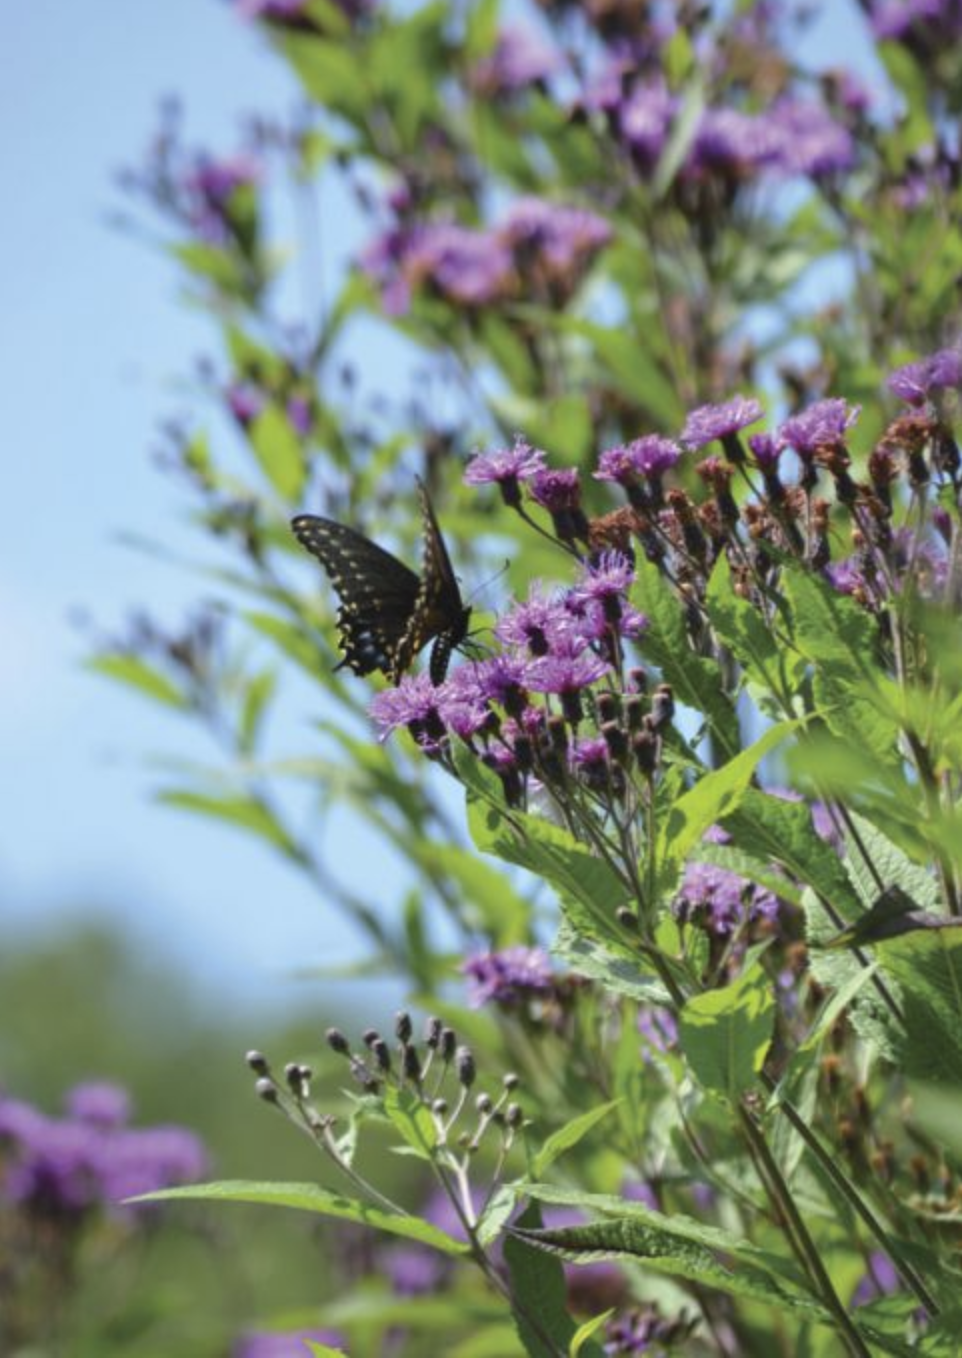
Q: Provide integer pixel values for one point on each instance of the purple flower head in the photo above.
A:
(589, 755)
(823, 423)
(728, 141)
(650, 456)
(541, 624)
(508, 976)
(846, 576)
(721, 899)
(499, 679)
(719, 421)
(299, 414)
(465, 265)
(414, 1270)
(245, 401)
(645, 120)
(145, 1159)
(659, 1029)
(565, 674)
(880, 1280)
(273, 11)
(915, 382)
(286, 1344)
(461, 704)
(507, 467)
(520, 58)
(810, 141)
(415, 702)
(563, 237)
(901, 20)
(557, 491)
(766, 452)
(211, 188)
(99, 1103)
(610, 576)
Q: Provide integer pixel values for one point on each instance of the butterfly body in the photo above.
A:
(388, 613)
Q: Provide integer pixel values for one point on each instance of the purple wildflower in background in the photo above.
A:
(880, 1280)
(915, 382)
(279, 11)
(99, 1103)
(610, 576)
(287, 1344)
(468, 266)
(508, 976)
(520, 58)
(73, 1164)
(507, 468)
(710, 422)
(211, 187)
(766, 452)
(658, 1027)
(413, 1270)
(721, 899)
(563, 236)
(245, 402)
(847, 576)
(811, 142)
(644, 121)
(894, 20)
(824, 423)
(650, 456)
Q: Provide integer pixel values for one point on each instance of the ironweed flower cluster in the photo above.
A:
(539, 248)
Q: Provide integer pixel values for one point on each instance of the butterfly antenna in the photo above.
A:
(487, 583)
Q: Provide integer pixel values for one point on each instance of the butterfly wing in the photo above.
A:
(378, 595)
(439, 610)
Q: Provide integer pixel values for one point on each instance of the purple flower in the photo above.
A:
(563, 237)
(540, 624)
(915, 382)
(609, 577)
(719, 421)
(658, 1027)
(414, 1270)
(508, 976)
(721, 899)
(823, 423)
(846, 576)
(145, 1159)
(212, 187)
(466, 265)
(565, 674)
(520, 58)
(507, 467)
(766, 452)
(499, 679)
(556, 491)
(810, 141)
(881, 1279)
(650, 456)
(99, 1103)
(645, 119)
(415, 703)
(286, 1344)
(245, 402)
(896, 20)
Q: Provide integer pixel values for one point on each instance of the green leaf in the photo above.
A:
(257, 695)
(408, 1115)
(312, 1198)
(695, 681)
(499, 912)
(725, 1034)
(569, 1135)
(278, 451)
(676, 1244)
(621, 972)
(538, 1284)
(927, 964)
(716, 795)
(131, 670)
(246, 812)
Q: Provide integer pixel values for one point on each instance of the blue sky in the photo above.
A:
(93, 346)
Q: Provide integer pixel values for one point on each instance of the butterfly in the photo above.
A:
(387, 613)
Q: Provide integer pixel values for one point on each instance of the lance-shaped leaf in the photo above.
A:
(725, 1034)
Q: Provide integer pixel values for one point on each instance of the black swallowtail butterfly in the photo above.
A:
(387, 613)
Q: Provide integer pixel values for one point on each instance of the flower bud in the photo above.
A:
(465, 1066)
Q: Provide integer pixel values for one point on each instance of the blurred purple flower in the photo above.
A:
(414, 1270)
(711, 422)
(289, 1344)
(99, 1103)
(520, 462)
(414, 701)
(563, 237)
(556, 491)
(645, 119)
(648, 456)
(895, 20)
(915, 382)
(565, 674)
(721, 900)
(880, 1280)
(508, 976)
(609, 577)
(520, 58)
(657, 1025)
(823, 423)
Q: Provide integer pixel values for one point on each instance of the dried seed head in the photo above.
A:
(465, 1066)
(337, 1042)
